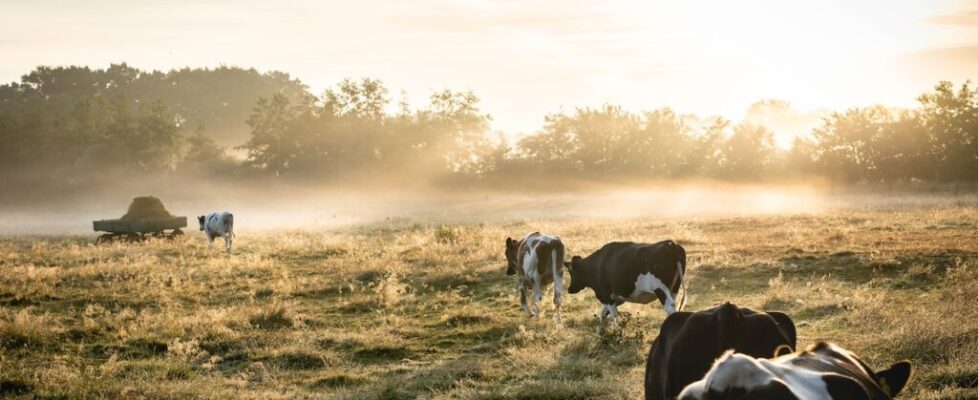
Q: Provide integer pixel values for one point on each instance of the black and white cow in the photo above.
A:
(631, 272)
(219, 224)
(538, 259)
(689, 343)
(822, 372)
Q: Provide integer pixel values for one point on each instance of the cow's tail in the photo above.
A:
(558, 256)
(557, 259)
(680, 257)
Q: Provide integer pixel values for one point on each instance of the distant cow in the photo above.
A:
(689, 343)
(218, 224)
(632, 272)
(539, 260)
(822, 372)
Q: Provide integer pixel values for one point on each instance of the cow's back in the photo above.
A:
(219, 223)
(548, 251)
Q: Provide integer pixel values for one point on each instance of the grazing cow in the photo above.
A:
(539, 260)
(218, 224)
(822, 372)
(632, 272)
(688, 343)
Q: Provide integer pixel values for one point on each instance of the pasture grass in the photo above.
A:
(406, 309)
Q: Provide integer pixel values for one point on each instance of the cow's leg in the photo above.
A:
(613, 311)
(537, 296)
(670, 304)
(667, 300)
(227, 242)
(522, 287)
(558, 291)
(210, 238)
(532, 281)
(605, 310)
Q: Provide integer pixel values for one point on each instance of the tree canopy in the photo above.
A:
(233, 121)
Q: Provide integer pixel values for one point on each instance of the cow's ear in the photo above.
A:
(509, 242)
(893, 379)
(786, 325)
(782, 350)
(567, 264)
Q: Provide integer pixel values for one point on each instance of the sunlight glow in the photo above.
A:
(527, 59)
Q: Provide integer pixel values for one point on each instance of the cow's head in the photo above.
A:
(576, 267)
(200, 219)
(512, 247)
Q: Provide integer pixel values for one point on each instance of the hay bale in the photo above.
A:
(146, 208)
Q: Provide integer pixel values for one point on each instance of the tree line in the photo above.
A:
(230, 121)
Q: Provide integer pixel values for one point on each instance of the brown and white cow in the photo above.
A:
(822, 372)
(538, 259)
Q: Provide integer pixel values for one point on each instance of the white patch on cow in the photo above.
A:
(645, 286)
(737, 370)
(734, 370)
(533, 279)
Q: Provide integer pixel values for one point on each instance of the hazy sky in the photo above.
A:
(529, 58)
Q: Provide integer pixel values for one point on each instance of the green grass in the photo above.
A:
(404, 309)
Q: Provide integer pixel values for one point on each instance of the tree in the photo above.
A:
(203, 155)
(846, 142)
(951, 117)
(271, 147)
(748, 152)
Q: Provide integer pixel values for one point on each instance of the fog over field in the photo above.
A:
(291, 207)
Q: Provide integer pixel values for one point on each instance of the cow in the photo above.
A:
(824, 371)
(632, 272)
(218, 224)
(538, 259)
(689, 343)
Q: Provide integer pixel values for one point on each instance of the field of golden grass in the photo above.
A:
(402, 309)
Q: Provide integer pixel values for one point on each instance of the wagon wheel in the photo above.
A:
(175, 234)
(135, 237)
(105, 238)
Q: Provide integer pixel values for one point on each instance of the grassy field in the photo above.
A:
(402, 309)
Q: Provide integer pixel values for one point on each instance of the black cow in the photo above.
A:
(822, 372)
(689, 343)
(632, 272)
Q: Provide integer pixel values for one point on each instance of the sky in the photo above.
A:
(526, 59)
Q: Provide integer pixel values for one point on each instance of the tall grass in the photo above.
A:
(401, 309)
